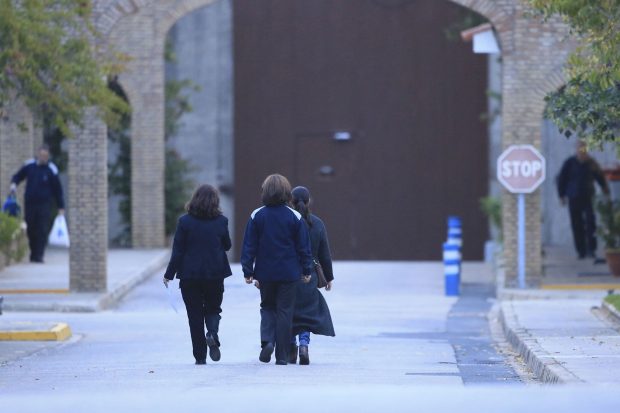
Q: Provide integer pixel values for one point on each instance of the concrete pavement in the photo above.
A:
(400, 346)
(45, 287)
(565, 340)
(391, 325)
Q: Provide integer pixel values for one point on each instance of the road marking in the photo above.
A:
(36, 291)
(58, 332)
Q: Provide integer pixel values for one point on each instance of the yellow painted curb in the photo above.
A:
(59, 332)
(40, 291)
(581, 287)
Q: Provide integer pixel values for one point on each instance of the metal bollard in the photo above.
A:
(452, 268)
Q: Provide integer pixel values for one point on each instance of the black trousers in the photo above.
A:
(277, 309)
(583, 223)
(37, 217)
(203, 301)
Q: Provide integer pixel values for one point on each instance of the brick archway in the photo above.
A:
(533, 57)
(139, 28)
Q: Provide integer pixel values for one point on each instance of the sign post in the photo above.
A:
(521, 170)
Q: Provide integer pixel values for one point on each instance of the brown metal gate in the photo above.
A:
(410, 99)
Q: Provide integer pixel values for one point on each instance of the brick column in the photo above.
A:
(521, 117)
(148, 164)
(88, 206)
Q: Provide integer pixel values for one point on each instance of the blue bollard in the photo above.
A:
(455, 232)
(452, 268)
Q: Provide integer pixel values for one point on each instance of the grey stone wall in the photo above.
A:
(202, 43)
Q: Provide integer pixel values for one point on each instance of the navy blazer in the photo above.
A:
(199, 249)
(42, 183)
(276, 245)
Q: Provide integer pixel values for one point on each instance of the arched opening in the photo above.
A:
(561, 259)
(199, 111)
(278, 55)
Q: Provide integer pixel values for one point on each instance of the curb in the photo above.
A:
(88, 302)
(114, 296)
(59, 332)
(610, 311)
(546, 368)
(509, 294)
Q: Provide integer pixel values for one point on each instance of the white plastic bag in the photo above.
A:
(59, 236)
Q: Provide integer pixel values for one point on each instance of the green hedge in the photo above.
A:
(10, 230)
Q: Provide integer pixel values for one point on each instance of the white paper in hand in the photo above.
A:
(59, 236)
(171, 299)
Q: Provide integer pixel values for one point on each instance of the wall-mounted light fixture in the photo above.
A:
(342, 136)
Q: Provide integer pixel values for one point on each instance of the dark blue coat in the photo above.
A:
(199, 249)
(276, 245)
(576, 178)
(42, 183)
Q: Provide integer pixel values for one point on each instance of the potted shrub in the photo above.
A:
(609, 230)
(12, 240)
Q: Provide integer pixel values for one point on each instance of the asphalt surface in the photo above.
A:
(400, 346)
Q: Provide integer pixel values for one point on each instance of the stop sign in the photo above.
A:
(521, 169)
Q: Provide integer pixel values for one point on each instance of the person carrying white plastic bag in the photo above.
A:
(59, 235)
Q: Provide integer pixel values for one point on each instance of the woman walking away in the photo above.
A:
(276, 253)
(311, 311)
(200, 263)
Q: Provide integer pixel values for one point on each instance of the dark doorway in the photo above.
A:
(409, 98)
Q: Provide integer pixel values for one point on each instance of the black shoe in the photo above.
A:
(304, 358)
(214, 348)
(204, 361)
(281, 362)
(292, 354)
(266, 352)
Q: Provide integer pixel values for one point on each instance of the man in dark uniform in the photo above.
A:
(42, 185)
(576, 188)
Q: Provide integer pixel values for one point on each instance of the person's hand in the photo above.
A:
(61, 212)
(166, 281)
(13, 187)
(248, 280)
(563, 201)
(306, 278)
(256, 284)
(328, 287)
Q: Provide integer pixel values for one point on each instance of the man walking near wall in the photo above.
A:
(576, 188)
(42, 185)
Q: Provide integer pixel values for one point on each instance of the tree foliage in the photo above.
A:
(589, 104)
(51, 58)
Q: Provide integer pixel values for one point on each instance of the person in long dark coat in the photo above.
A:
(311, 311)
(276, 254)
(199, 261)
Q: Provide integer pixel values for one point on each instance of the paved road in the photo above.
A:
(400, 344)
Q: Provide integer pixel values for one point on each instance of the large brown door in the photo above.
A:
(411, 99)
(328, 168)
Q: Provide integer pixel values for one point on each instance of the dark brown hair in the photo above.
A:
(301, 203)
(276, 190)
(205, 203)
